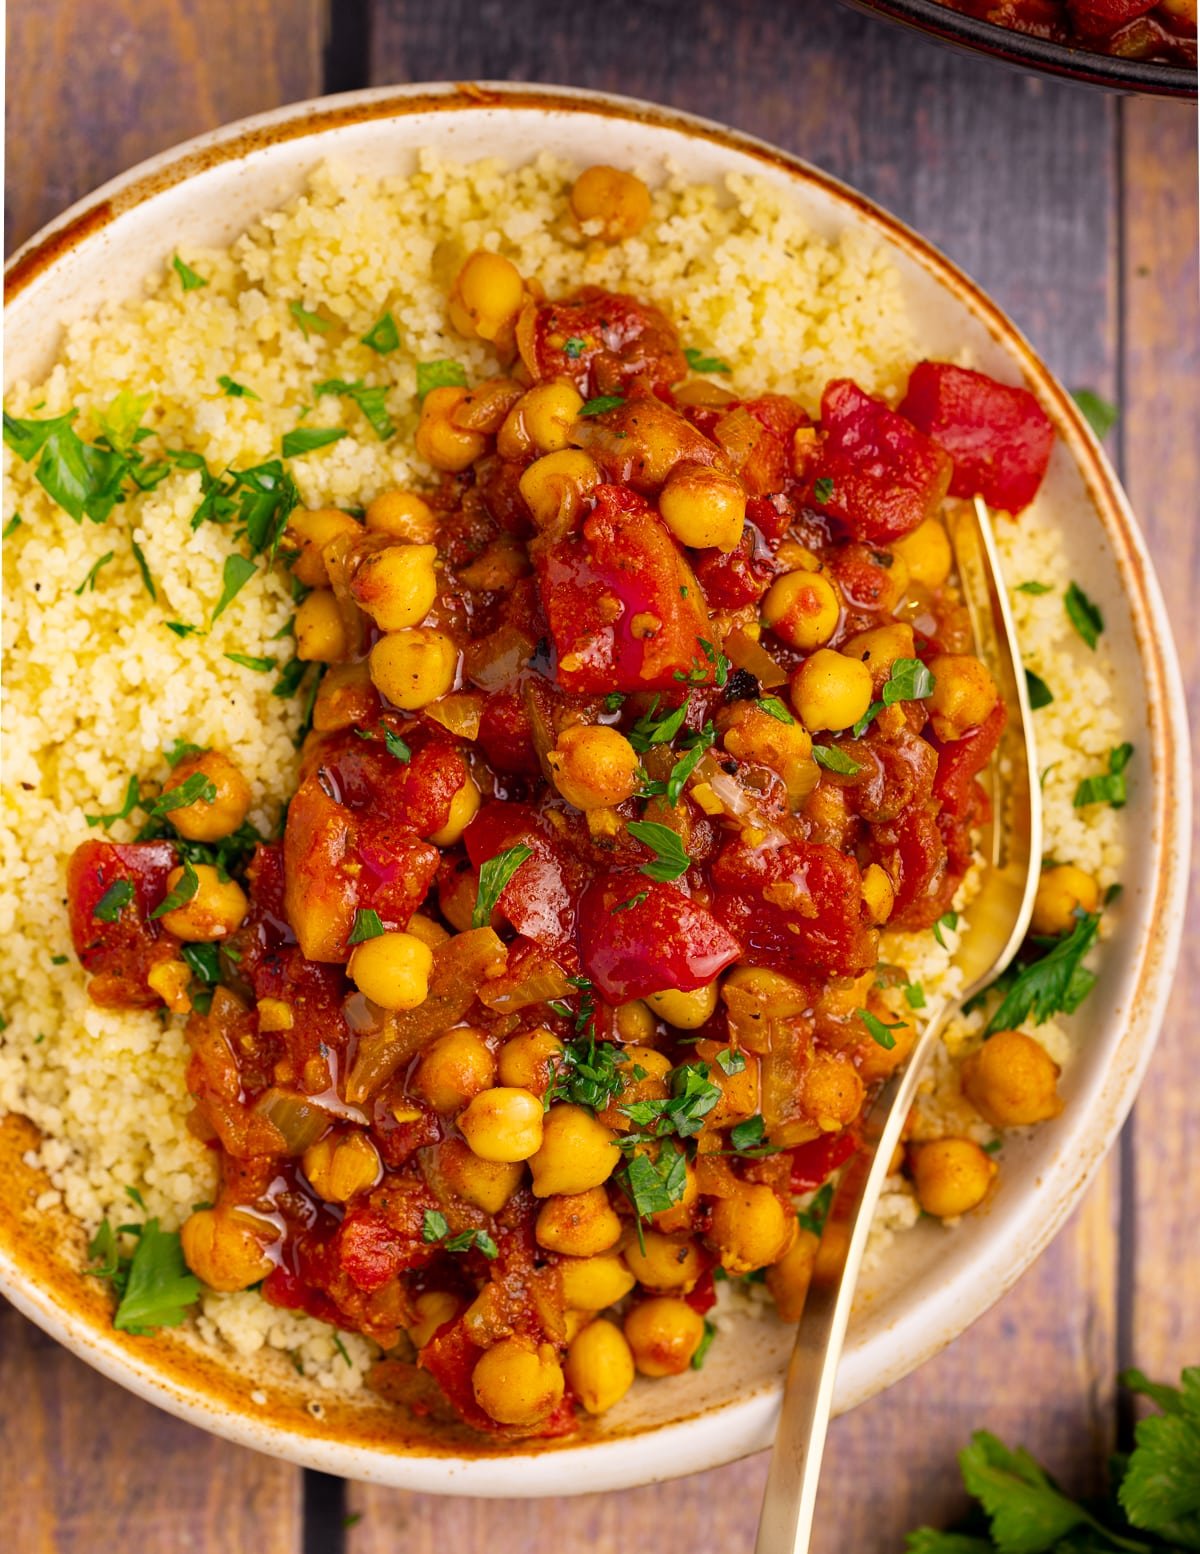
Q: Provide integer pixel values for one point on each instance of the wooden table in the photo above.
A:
(1077, 211)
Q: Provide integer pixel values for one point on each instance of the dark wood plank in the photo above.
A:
(94, 88)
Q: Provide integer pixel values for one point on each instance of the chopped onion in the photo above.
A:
(459, 712)
(745, 653)
(299, 1119)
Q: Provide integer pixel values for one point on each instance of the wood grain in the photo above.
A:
(94, 88)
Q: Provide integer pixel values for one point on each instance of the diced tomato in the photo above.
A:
(120, 954)
(506, 734)
(772, 515)
(625, 609)
(540, 898)
(1102, 16)
(885, 477)
(602, 340)
(284, 1288)
(960, 761)
(664, 940)
(314, 992)
(998, 436)
(913, 851)
(740, 576)
(798, 905)
(450, 1357)
(703, 1297)
(813, 1163)
(769, 464)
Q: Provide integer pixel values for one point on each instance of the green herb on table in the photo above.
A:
(493, 877)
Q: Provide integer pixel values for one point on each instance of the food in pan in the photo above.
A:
(1159, 30)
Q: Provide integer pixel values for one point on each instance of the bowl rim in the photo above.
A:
(1026, 52)
(721, 1433)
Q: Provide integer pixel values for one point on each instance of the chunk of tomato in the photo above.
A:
(639, 936)
(540, 898)
(120, 953)
(602, 341)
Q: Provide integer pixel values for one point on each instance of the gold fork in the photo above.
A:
(998, 919)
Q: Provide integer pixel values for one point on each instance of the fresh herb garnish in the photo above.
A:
(747, 1137)
(822, 490)
(697, 743)
(651, 729)
(1034, 588)
(493, 877)
(247, 661)
(699, 362)
(158, 1288)
(290, 676)
(83, 478)
(814, 1216)
(731, 1061)
(1040, 694)
(441, 374)
(180, 749)
(188, 278)
(367, 925)
(383, 336)
(1055, 983)
(11, 527)
(654, 1185)
(703, 1346)
(196, 789)
(308, 320)
(1099, 414)
(574, 348)
(693, 1096)
(113, 902)
(143, 568)
(774, 708)
(128, 805)
(880, 1031)
(204, 960)
(947, 920)
(234, 390)
(914, 995)
(371, 401)
(601, 404)
(670, 861)
(587, 1073)
(614, 701)
(835, 760)
(180, 629)
(237, 572)
(435, 1228)
(909, 680)
(307, 439)
(186, 887)
(624, 906)
(89, 581)
(1085, 616)
(1111, 788)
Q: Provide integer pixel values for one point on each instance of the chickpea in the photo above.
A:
(337, 1168)
(224, 1248)
(434, 1308)
(308, 531)
(664, 1263)
(425, 929)
(1012, 1081)
(703, 507)
(750, 1229)
(439, 441)
(635, 1024)
(517, 1382)
(952, 1176)
(685, 1011)
(527, 1061)
(392, 970)
(556, 484)
(454, 1069)
(457, 891)
(619, 201)
(464, 806)
(593, 766)
(803, 608)
(214, 912)
(403, 516)
(170, 979)
(600, 1366)
(397, 586)
(576, 1152)
(592, 1283)
(664, 1334)
(320, 629)
(210, 820)
(678, 1218)
(488, 1184)
(487, 295)
(541, 418)
(789, 1278)
(831, 1091)
(503, 1124)
(963, 694)
(879, 894)
(581, 1224)
(414, 667)
(754, 735)
(831, 691)
(1063, 891)
(926, 551)
(879, 649)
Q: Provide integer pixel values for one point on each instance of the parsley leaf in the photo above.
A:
(835, 760)
(1040, 694)
(188, 278)
(434, 1225)
(1084, 615)
(698, 744)
(1111, 788)
(655, 1185)
(774, 708)
(670, 861)
(1027, 1512)
(879, 1030)
(128, 805)
(147, 580)
(822, 490)
(367, 925)
(113, 902)
(180, 748)
(493, 877)
(636, 900)
(703, 1346)
(236, 574)
(180, 629)
(308, 320)
(89, 581)
(699, 362)
(601, 404)
(290, 677)
(1161, 1487)
(204, 959)
(186, 887)
(587, 1073)
(947, 920)
(442, 374)
(1057, 982)
(693, 1096)
(748, 1135)
(914, 995)
(235, 390)
(371, 401)
(1099, 414)
(814, 1216)
(650, 729)
(383, 336)
(196, 789)
(159, 1288)
(247, 661)
(83, 478)
(574, 348)
(11, 527)
(307, 439)
(909, 680)
(1034, 588)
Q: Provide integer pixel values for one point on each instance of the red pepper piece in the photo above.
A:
(1104, 16)
(813, 1163)
(506, 734)
(665, 940)
(120, 954)
(961, 760)
(998, 436)
(704, 1296)
(540, 898)
(741, 576)
(885, 476)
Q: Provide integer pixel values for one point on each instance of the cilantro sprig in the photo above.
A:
(670, 861)
(1110, 787)
(153, 1284)
(435, 1231)
(1053, 982)
(909, 680)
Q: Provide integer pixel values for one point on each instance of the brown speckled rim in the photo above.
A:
(39, 1252)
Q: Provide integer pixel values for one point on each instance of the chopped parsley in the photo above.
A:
(155, 1286)
(290, 676)
(234, 390)
(196, 789)
(703, 1346)
(307, 439)
(394, 745)
(441, 374)
(1056, 982)
(1040, 694)
(699, 362)
(947, 920)
(587, 1073)
(13, 524)
(204, 960)
(1034, 588)
(654, 1185)
(814, 1216)
(367, 925)
(614, 701)
(624, 906)
(914, 995)
(371, 401)
(774, 708)
(879, 1030)
(85, 479)
(180, 749)
(574, 348)
(1084, 615)
(1111, 788)
(237, 572)
(697, 743)
(714, 669)
(89, 581)
(493, 877)
(835, 760)
(435, 1229)
(693, 1096)
(128, 805)
(909, 680)
(601, 404)
(309, 321)
(113, 902)
(180, 629)
(188, 278)
(731, 1061)
(383, 336)
(651, 729)
(747, 1137)
(186, 887)
(822, 490)
(247, 661)
(670, 861)
(147, 580)
(1099, 414)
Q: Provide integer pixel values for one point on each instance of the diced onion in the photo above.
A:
(298, 1118)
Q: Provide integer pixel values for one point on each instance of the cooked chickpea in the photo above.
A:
(434, 1308)
(487, 295)
(593, 766)
(879, 649)
(963, 694)
(414, 667)
(1063, 891)
(592, 1283)
(397, 586)
(951, 1176)
(703, 507)
(392, 970)
(750, 1229)
(225, 1248)
(214, 912)
(619, 201)
(879, 894)
(527, 1061)
(464, 806)
(803, 608)
(831, 1091)
(830, 691)
(170, 979)
(517, 1382)
(503, 1124)
(210, 820)
(664, 1263)
(338, 1168)
(320, 629)
(927, 553)
(789, 1278)
(600, 1366)
(635, 1023)
(664, 1334)
(1012, 1081)
(576, 1152)
(542, 418)
(685, 1011)
(454, 1069)
(488, 1184)
(556, 484)
(308, 531)
(425, 929)
(754, 735)
(581, 1224)
(402, 515)
(439, 441)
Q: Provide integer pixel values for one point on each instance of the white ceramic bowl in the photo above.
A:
(937, 1284)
